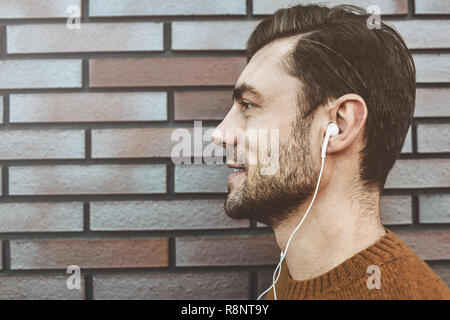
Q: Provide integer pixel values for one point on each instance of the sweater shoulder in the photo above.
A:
(410, 277)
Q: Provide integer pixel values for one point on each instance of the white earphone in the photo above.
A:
(332, 131)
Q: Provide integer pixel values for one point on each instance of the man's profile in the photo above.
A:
(309, 66)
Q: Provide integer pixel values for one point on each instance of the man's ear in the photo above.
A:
(350, 114)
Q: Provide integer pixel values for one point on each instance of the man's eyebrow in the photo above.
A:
(238, 92)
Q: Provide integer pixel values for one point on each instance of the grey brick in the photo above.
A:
(201, 178)
(41, 217)
(39, 73)
(396, 209)
(407, 146)
(434, 208)
(443, 271)
(211, 35)
(161, 215)
(1, 109)
(87, 179)
(42, 144)
(386, 6)
(196, 286)
(431, 7)
(226, 251)
(91, 37)
(88, 106)
(432, 102)
(414, 173)
(32, 287)
(433, 137)
(432, 68)
(100, 8)
(430, 245)
(19, 9)
(423, 34)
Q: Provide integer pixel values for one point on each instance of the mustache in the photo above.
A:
(235, 155)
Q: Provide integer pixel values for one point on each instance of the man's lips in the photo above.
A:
(237, 172)
(235, 166)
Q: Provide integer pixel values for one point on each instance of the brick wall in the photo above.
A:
(86, 174)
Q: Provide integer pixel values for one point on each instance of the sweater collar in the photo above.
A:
(385, 249)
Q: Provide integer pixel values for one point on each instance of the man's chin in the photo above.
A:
(234, 207)
(237, 208)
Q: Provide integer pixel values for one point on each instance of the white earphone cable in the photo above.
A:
(283, 254)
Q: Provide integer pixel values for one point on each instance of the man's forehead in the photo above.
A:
(262, 79)
(265, 67)
(258, 76)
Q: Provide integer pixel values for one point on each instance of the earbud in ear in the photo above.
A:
(332, 130)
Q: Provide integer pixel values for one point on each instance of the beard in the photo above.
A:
(272, 198)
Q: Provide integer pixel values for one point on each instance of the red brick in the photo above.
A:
(202, 105)
(204, 71)
(143, 142)
(230, 251)
(132, 143)
(265, 279)
(430, 245)
(32, 287)
(92, 253)
(191, 285)
(41, 217)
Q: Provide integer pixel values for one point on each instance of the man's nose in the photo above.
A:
(223, 136)
(225, 133)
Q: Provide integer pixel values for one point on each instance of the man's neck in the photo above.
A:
(336, 228)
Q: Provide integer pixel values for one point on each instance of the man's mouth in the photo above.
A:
(239, 171)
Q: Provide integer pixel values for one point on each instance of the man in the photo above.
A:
(309, 66)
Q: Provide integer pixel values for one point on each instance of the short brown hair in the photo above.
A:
(338, 54)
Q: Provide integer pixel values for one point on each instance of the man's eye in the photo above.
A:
(247, 105)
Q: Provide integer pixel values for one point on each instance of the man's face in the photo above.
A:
(267, 198)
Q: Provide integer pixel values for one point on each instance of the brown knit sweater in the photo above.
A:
(403, 275)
